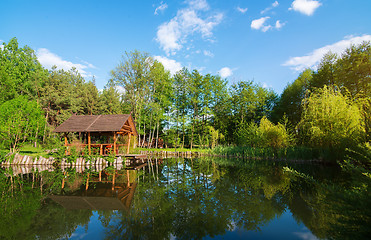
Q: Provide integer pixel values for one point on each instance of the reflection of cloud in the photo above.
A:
(305, 235)
(78, 235)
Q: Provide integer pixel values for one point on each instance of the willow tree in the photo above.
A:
(331, 120)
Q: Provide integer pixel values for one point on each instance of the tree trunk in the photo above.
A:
(158, 126)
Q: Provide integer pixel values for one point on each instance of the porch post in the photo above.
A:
(65, 142)
(114, 142)
(128, 148)
(89, 143)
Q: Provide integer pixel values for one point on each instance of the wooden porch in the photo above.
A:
(99, 134)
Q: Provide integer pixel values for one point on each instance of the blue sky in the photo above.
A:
(267, 41)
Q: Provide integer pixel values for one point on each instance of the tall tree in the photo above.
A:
(289, 103)
(20, 71)
(249, 102)
(181, 101)
(110, 101)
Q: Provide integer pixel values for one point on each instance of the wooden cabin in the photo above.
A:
(106, 127)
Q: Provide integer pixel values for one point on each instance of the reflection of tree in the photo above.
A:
(332, 211)
(52, 221)
(191, 201)
(27, 214)
(19, 203)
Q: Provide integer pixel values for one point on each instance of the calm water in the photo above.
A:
(184, 199)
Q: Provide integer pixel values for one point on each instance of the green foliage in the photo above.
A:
(275, 136)
(110, 101)
(358, 161)
(289, 103)
(21, 120)
(331, 120)
(20, 72)
(265, 135)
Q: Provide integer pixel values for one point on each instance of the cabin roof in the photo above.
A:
(97, 123)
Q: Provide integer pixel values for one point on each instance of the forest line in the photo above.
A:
(327, 108)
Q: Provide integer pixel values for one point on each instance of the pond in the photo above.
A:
(207, 198)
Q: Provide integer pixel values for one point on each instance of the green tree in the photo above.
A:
(132, 75)
(289, 103)
(249, 102)
(353, 70)
(331, 119)
(65, 93)
(110, 101)
(21, 120)
(181, 101)
(275, 136)
(20, 72)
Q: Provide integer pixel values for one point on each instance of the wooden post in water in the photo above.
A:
(113, 181)
(64, 176)
(128, 177)
(128, 148)
(89, 143)
(87, 182)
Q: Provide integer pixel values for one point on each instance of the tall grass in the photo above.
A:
(289, 153)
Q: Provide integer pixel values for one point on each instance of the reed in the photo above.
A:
(289, 153)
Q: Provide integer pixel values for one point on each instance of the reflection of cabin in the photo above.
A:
(99, 193)
(99, 133)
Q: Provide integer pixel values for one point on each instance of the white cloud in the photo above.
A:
(225, 72)
(120, 89)
(312, 59)
(265, 85)
(279, 25)
(242, 10)
(172, 35)
(49, 59)
(275, 4)
(199, 4)
(259, 23)
(169, 64)
(160, 8)
(208, 53)
(306, 7)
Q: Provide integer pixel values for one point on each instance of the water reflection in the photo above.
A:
(184, 199)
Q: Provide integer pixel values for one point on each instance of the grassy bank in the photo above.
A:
(290, 153)
(199, 150)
